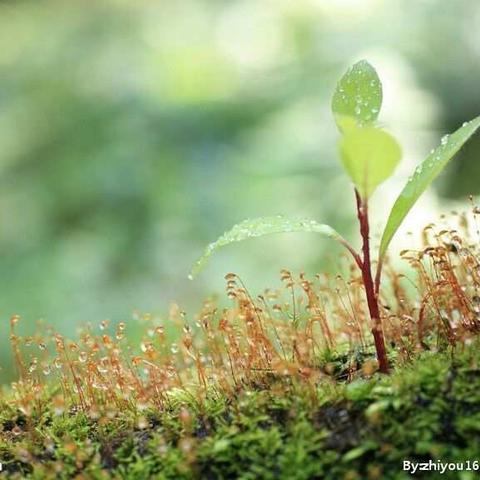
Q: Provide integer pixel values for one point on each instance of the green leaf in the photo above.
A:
(364, 447)
(369, 156)
(221, 445)
(263, 226)
(423, 176)
(358, 95)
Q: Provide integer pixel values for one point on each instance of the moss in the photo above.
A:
(363, 429)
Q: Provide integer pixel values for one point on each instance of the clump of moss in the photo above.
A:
(362, 429)
(284, 385)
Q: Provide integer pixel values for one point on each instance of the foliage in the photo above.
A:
(263, 226)
(423, 176)
(358, 96)
(369, 155)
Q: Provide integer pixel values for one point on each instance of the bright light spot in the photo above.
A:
(250, 34)
(344, 9)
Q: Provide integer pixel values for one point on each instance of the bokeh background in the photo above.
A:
(133, 133)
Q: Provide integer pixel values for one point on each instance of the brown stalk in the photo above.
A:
(370, 290)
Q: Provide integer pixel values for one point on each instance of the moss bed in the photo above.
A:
(426, 410)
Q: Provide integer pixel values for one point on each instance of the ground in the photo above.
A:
(428, 409)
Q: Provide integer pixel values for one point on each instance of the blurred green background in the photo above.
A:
(133, 133)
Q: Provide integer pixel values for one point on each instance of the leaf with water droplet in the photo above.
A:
(358, 94)
(259, 227)
(424, 175)
(369, 156)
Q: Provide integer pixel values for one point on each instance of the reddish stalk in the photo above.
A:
(354, 254)
(370, 290)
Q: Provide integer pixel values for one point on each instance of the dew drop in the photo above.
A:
(33, 365)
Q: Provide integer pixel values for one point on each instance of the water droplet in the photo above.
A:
(33, 365)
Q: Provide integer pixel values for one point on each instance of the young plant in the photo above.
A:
(369, 155)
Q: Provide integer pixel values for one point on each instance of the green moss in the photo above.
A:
(428, 409)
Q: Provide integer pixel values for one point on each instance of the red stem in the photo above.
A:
(370, 290)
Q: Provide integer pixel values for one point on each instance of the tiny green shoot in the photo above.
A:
(369, 156)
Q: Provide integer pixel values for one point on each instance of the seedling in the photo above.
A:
(369, 156)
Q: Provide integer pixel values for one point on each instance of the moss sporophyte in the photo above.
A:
(369, 155)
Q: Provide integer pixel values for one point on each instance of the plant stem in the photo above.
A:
(371, 294)
(355, 255)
